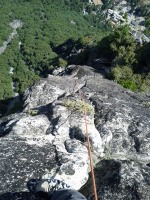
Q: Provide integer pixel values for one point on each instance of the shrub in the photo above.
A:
(33, 112)
(124, 76)
(137, 79)
(145, 88)
(129, 84)
(121, 73)
(62, 62)
(78, 106)
(147, 104)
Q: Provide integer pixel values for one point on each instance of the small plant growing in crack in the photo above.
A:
(32, 112)
(78, 106)
(108, 150)
(147, 104)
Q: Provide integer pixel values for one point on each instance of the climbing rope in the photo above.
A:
(89, 148)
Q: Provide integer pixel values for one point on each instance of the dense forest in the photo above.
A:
(46, 25)
(52, 29)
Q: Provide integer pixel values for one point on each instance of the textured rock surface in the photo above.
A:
(123, 122)
(120, 179)
(24, 153)
(48, 90)
(53, 141)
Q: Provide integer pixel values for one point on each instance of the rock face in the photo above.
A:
(48, 137)
(123, 121)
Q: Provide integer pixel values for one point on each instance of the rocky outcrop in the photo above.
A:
(120, 179)
(48, 137)
(48, 91)
(122, 117)
(15, 24)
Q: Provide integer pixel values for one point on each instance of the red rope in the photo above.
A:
(89, 148)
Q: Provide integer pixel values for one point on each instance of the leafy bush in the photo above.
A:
(128, 84)
(33, 112)
(124, 76)
(145, 87)
(78, 106)
(121, 73)
(130, 61)
(147, 104)
(62, 62)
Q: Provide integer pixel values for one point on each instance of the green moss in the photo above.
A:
(33, 112)
(147, 104)
(78, 106)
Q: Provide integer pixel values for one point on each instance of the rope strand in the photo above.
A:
(89, 148)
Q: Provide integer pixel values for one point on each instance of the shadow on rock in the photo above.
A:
(106, 176)
(76, 133)
(111, 183)
(4, 129)
(31, 195)
(24, 196)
